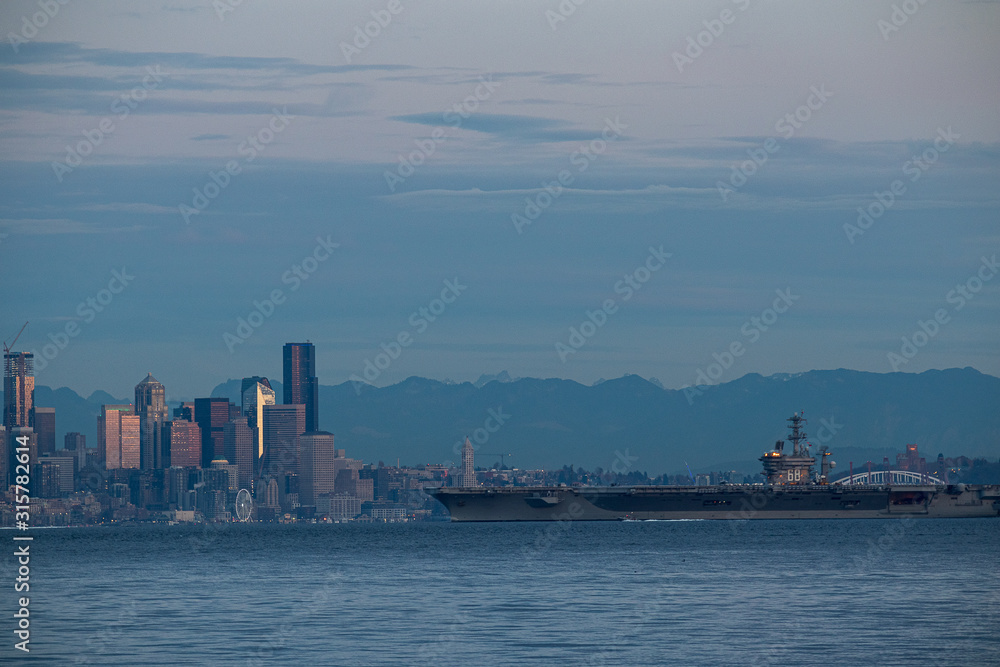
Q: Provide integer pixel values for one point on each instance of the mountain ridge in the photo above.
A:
(551, 422)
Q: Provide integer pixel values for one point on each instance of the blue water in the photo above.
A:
(851, 592)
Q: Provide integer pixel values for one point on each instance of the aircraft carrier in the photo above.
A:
(791, 490)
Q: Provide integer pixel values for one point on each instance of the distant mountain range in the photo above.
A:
(632, 423)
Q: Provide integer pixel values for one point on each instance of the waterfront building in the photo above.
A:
(62, 469)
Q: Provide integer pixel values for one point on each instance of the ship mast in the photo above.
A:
(797, 435)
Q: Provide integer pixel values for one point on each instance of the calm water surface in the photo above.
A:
(851, 592)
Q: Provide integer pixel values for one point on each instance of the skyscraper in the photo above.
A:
(18, 388)
(118, 436)
(151, 406)
(256, 392)
(182, 440)
(317, 468)
(468, 465)
(238, 446)
(44, 422)
(184, 411)
(301, 386)
(283, 424)
(76, 443)
(222, 463)
(212, 414)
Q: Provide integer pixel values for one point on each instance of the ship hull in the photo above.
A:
(717, 502)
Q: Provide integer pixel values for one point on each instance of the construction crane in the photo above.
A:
(6, 348)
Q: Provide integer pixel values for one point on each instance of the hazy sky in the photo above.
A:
(407, 151)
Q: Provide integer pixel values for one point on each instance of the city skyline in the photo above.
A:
(590, 204)
(388, 331)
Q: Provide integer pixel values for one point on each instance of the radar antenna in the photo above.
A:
(797, 435)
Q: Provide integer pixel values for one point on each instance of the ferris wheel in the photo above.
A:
(244, 505)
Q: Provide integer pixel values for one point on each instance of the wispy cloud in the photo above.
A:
(72, 52)
(509, 127)
(52, 226)
(128, 207)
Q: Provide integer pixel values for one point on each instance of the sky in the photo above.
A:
(689, 191)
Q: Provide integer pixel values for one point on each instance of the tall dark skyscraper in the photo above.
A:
(44, 422)
(74, 441)
(19, 388)
(301, 386)
(151, 406)
(212, 414)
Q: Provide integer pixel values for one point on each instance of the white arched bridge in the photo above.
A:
(893, 477)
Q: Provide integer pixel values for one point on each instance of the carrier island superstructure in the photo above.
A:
(791, 490)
